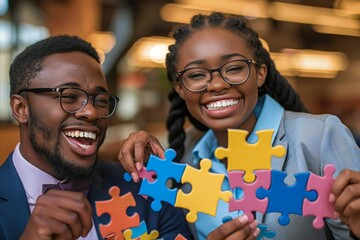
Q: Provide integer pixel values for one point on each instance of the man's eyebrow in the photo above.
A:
(101, 89)
(69, 84)
(77, 85)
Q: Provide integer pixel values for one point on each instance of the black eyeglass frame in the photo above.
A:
(211, 71)
(61, 90)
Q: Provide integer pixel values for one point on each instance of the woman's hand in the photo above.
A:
(346, 196)
(136, 149)
(236, 229)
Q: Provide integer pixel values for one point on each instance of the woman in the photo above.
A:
(223, 78)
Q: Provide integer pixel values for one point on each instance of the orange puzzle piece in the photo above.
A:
(116, 207)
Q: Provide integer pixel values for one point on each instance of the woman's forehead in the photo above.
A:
(211, 43)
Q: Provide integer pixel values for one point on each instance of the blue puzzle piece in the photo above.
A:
(264, 232)
(165, 169)
(138, 231)
(263, 229)
(286, 199)
(226, 219)
(127, 177)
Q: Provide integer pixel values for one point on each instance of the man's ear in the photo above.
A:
(179, 88)
(261, 75)
(19, 108)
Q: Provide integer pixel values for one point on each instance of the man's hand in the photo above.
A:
(59, 215)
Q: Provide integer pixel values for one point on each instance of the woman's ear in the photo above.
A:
(261, 75)
(179, 88)
(19, 108)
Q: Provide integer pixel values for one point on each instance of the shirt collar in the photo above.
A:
(31, 177)
(268, 113)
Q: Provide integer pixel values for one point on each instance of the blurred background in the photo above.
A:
(315, 44)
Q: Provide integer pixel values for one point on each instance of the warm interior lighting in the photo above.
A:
(309, 63)
(352, 6)
(105, 41)
(337, 30)
(148, 52)
(252, 8)
(182, 13)
(329, 20)
(179, 13)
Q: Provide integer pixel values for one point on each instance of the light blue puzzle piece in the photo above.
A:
(165, 169)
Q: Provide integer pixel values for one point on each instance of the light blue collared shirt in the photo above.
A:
(268, 113)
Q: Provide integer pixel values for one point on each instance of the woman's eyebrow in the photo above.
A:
(194, 62)
(227, 56)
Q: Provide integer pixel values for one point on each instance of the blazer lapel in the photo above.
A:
(277, 163)
(14, 207)
(98, 192)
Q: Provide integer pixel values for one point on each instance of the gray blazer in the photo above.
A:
(311, 142)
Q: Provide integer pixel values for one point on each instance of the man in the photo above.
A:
(60, 99)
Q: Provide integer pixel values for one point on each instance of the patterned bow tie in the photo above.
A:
(75, 186)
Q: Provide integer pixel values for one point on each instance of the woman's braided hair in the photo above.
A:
(275, 85)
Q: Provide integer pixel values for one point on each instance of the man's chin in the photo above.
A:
(70, 170)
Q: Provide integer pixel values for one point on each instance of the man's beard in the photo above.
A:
(63, 167)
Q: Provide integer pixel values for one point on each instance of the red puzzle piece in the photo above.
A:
(116, 207)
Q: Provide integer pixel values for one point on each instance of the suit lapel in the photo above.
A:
(97, 192)
(14, 207)
(277, 163)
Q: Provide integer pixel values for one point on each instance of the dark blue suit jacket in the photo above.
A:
(14, 208)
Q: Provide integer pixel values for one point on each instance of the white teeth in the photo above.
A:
(84, 146)
(220, 104)
(82, 134)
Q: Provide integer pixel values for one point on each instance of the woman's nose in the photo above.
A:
(217, 82)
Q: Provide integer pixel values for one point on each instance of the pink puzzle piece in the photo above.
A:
(321, 207)
(143, 174)
(249, 202)
(148, 175)
(116, 207)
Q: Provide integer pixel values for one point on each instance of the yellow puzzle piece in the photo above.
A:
(152, 236)
(248, 157)
(205, 191)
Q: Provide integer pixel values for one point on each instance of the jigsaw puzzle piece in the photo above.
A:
(138, 231)
(321, 207)
(248, 157)
(286, 199)
(262, 227)
(264, 232)
(201, 199)
(116, 207)
(249, 201)
(180, 237)
(143, 174)
(145, 236)
(165, 169)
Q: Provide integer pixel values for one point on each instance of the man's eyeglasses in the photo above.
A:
(73, 100)
(234, 72)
